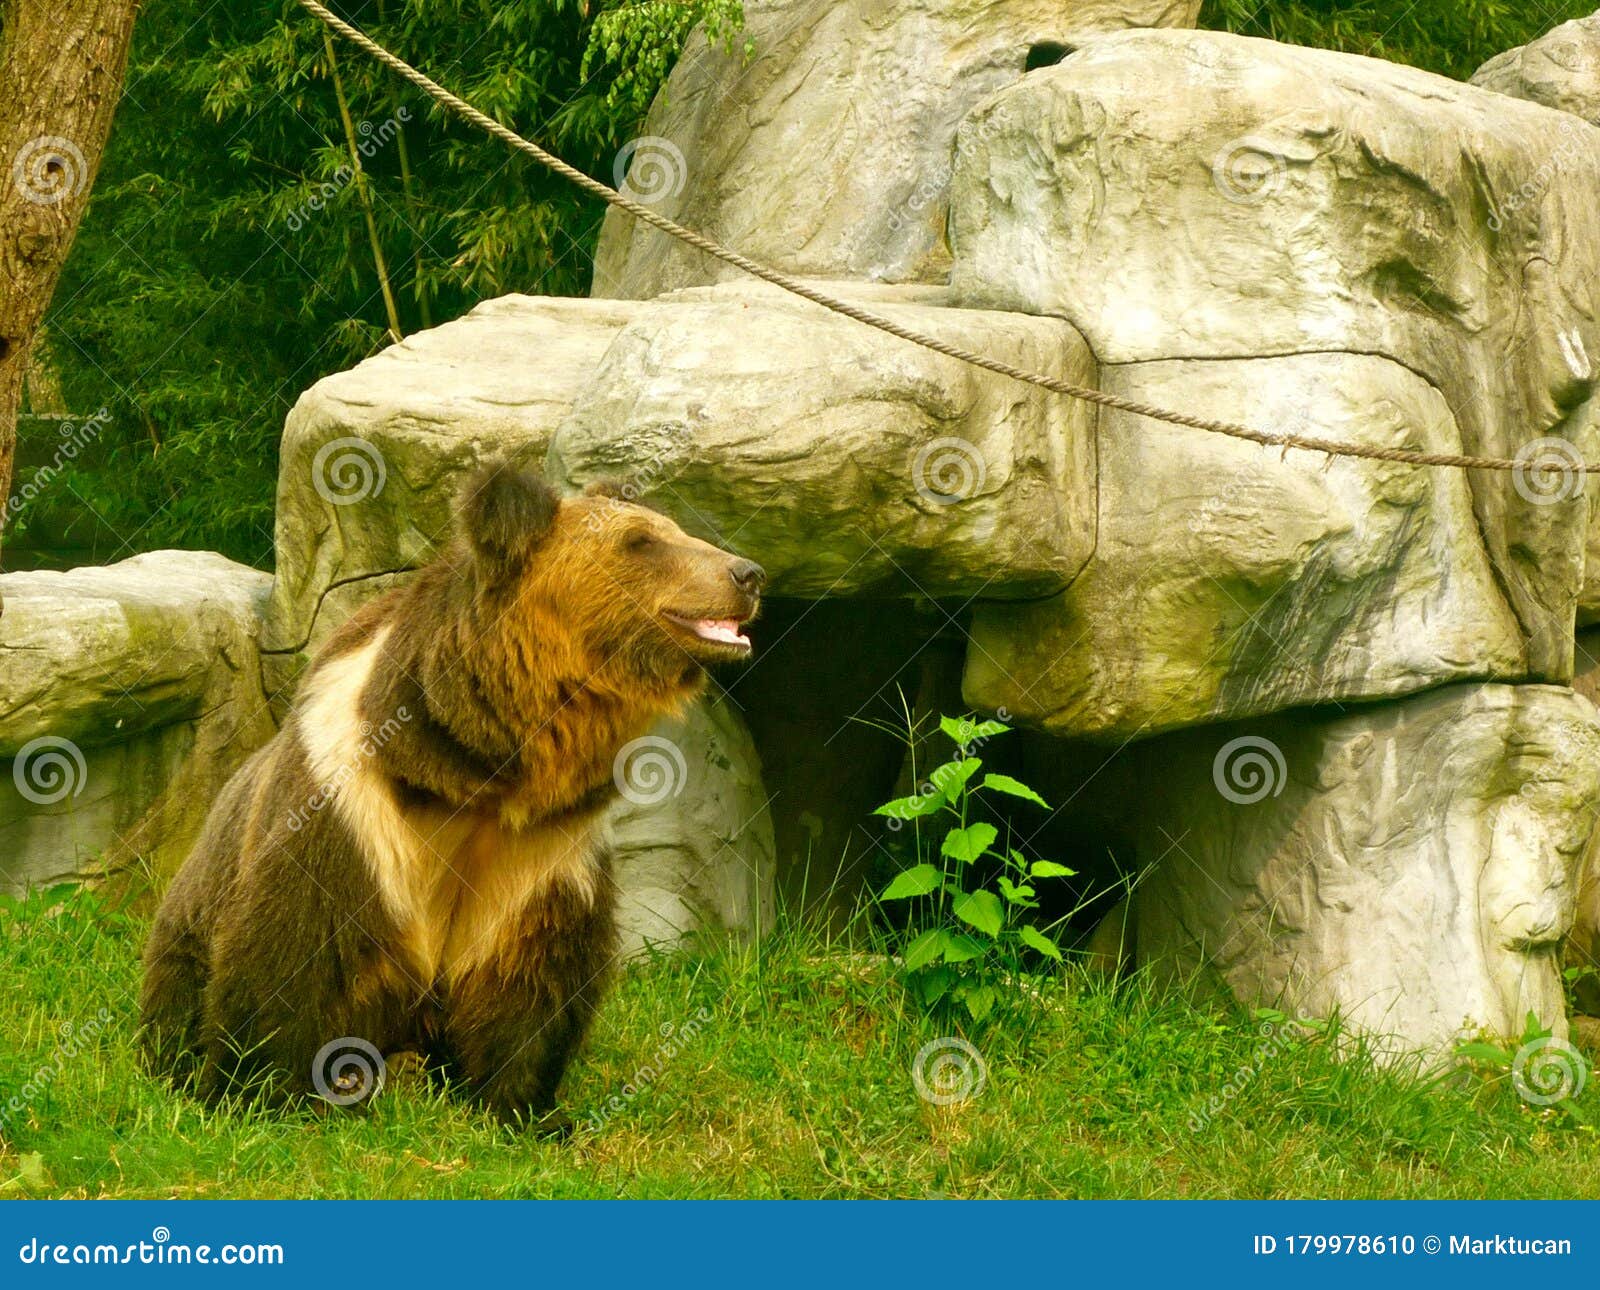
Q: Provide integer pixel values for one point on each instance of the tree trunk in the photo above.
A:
(61, 69)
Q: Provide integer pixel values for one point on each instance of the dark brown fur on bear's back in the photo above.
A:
(412, 861)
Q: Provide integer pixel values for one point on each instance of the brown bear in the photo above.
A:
(412, 862)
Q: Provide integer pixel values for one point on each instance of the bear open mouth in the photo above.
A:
(714, 631)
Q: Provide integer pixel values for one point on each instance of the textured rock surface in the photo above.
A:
(829, 151)
(128, 694)
(371, 457)
(848, 461)
(1561, 69)
(1412, 865)
(1228, 582)
(692, 835)
(1283, 201)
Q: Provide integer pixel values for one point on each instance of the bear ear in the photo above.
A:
(506, 512)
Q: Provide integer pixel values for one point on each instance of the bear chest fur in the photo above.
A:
(458, 884)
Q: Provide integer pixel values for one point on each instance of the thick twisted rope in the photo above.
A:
(1308, 443)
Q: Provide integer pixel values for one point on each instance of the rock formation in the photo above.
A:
(128, 695)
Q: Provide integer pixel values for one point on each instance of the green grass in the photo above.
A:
(798, 1085)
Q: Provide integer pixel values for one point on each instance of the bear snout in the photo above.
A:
(748, 576)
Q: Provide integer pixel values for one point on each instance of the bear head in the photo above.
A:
(619, 585)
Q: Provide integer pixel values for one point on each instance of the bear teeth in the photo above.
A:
(717, 631)
(723, 630)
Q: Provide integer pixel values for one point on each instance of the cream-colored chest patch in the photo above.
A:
(456, 883)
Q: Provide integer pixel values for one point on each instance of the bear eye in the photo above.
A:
(640, 540)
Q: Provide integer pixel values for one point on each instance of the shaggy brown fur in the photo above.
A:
(412, 861)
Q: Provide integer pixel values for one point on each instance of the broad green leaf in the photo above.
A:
(916, 881)
(949, 778)
(1050, 869)
(1477, 1052)
(1034, 939)
(969, 843)
(911, 808)
(1005, 784)
(980, 909)
(1015, 894)
(959, 948)
(925, 949)
(964, 730)
(933, 984)
(979, 1000)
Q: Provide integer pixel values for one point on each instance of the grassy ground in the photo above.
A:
(795, 1080)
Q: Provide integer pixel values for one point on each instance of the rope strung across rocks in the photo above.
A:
(1536, 466)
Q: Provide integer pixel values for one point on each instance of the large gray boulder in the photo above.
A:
(1229, 581)
(1560, 70)
(849, 462)
(828, 152)
(1412, 866)
(128, 695)
(1292, 237)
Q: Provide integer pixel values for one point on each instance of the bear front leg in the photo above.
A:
(513, 1021)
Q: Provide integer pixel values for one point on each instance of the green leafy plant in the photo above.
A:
(641, 39)
(1497, 1061)
(1494, 1053)
(983, 896)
